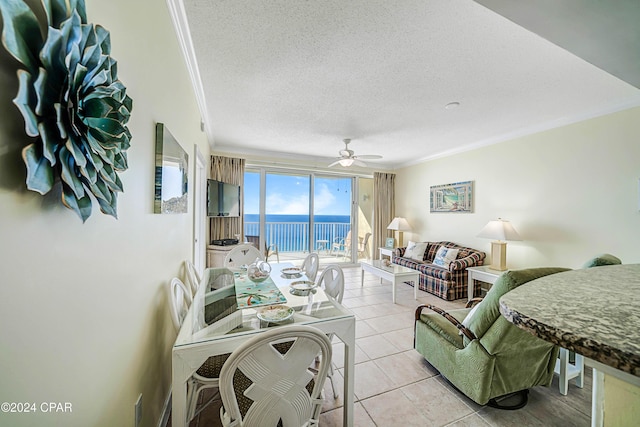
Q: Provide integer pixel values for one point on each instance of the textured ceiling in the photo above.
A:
(293, 78)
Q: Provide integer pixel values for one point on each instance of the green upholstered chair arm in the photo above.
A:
(463, 329)
(472, 302)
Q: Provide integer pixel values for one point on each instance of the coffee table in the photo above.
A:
(394, 273)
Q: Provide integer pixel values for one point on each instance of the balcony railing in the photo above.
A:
(294, 236)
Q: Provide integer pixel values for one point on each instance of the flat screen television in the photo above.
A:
(222, 199)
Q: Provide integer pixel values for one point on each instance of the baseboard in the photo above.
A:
(166, 411)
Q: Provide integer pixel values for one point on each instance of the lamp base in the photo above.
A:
(498, 256)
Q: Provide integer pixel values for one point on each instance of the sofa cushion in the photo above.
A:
(445, 256)
(415, 250)
(432, 270)
(408, 262)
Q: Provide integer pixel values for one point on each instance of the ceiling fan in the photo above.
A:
(347, 158)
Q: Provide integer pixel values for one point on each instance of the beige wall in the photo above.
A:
(570, 192)
(83, 307)
(621, 402)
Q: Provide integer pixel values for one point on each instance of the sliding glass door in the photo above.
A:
(332, 201)
(294, 213)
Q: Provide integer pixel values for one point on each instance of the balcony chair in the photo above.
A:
(341, 246)
(363, 246)
(207, 375)
(242, 255)
(480, 352)
(267, 381)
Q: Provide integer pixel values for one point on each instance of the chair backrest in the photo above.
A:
(347, 240)
(264, 381)
(366, 239)
(488, 310)
(364, 245)
(192, 276)
(332, 281)
(179, 301)
(242, 255)
(310, 266)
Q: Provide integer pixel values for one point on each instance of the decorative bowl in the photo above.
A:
(302, 287)
(292, 272)
(259, 271)
(275, 313)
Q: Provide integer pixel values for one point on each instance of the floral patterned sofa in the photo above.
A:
(449, 284)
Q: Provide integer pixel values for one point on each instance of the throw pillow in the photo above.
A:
(445, 256)
(467, 320)
(415, 250)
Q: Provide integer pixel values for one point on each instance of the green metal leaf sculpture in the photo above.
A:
(72, 101)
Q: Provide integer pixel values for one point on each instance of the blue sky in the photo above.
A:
(289, 195)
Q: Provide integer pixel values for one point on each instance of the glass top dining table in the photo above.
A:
(215, 325)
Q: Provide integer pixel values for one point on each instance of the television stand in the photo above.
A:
(216, 254)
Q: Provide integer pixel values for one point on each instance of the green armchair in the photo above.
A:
(486, 357)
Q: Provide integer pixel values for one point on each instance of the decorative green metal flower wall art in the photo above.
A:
(72, 101)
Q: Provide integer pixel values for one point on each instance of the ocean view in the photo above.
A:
(298, 218)
(291, 232)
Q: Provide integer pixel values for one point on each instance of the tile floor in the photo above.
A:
(395, 386)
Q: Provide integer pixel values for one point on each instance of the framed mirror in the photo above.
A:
(171, 183)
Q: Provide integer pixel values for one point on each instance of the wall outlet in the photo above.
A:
(138, 408)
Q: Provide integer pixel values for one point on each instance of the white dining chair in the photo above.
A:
(310, 266)
(192, 276)
(268, 380)
(179, 302)
(244, 254)
(332, 282)
(207, 375)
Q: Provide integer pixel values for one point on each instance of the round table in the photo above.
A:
(594, 312)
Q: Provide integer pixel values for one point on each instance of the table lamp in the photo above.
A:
(399, 224)
(500, 230)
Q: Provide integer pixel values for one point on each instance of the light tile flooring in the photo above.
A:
(395, 386)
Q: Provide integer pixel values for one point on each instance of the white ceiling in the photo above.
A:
(292, 78)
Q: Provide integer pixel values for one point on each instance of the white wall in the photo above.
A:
(570, 192)
(83, 307)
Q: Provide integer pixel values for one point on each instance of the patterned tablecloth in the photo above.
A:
(250, 294)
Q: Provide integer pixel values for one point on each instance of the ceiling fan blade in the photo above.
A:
(334, 163)
(359, 163)
(368, 156)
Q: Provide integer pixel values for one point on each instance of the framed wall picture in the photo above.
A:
(172, 164)
(457, 197)
(390, 242)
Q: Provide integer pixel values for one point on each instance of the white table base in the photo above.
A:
(394, 278)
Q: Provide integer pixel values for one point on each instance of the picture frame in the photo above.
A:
(452, 198)
(390, 242)
(171, 174)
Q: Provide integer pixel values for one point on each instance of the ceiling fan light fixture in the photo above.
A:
(346, 162)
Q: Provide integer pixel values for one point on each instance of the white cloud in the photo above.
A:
(279, 204)
(292, 204)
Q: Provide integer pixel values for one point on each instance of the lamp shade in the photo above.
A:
(399, 224)
(499, 229)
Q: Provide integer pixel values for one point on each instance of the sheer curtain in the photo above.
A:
(229, 170)
(384, 208)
